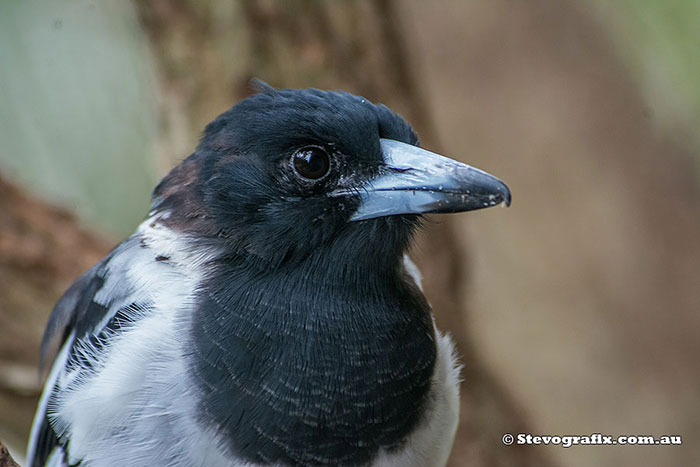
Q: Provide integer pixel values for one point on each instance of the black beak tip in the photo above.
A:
(494, 191)
(506, 195)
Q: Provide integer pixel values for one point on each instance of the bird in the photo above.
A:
(265, 312)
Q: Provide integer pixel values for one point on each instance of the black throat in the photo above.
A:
(320, 362)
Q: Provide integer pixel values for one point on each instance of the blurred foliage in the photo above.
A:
(78, 120)
(660, 41)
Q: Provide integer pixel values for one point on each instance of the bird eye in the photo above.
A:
(311, 163)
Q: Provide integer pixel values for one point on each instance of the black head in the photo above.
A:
(267, 174)
(286, 173)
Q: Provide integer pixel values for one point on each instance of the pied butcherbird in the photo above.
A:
(265, 312)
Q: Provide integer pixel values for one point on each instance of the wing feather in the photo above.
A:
(77, 316)
(75, 309)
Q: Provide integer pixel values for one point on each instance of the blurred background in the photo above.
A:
(576, 311)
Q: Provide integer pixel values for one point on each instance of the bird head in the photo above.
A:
(286, 173)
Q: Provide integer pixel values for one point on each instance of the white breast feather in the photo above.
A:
(135, 404)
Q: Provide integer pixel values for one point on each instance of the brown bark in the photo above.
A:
(42, 250)
(6, 459)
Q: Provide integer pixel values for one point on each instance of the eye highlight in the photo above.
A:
(311, 163)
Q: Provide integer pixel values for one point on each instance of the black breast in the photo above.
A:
(296, 372)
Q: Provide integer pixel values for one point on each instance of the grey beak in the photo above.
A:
(416, 181)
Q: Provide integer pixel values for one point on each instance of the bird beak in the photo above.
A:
(416, 181)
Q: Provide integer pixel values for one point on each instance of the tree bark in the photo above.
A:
(42, 250)
(6, 459)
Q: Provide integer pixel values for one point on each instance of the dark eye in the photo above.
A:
(311, 163)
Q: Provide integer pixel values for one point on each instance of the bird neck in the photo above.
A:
(324, 360)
